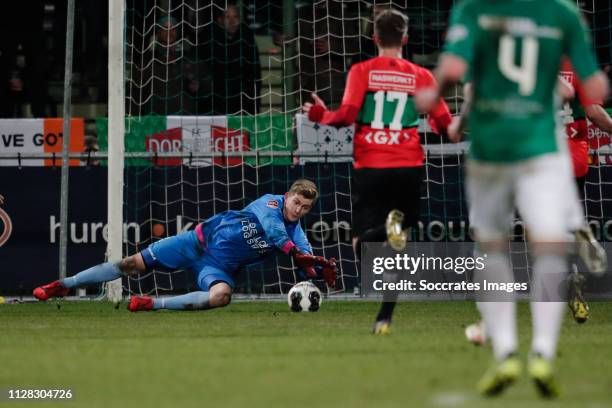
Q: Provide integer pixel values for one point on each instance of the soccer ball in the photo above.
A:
(304, 297)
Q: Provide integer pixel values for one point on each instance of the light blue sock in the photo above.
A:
(189, 301)
(100, 273)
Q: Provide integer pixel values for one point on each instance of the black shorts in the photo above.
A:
(375, 192)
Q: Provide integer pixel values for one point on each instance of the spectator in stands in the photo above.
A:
(234, 60)
(323, 50)
(169, 80)
(4, 89)
(23, 64)
(91, 146)
(14, 81)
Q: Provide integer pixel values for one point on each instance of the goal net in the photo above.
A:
(219, 86)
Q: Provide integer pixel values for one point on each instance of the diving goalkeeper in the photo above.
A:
(215, 251)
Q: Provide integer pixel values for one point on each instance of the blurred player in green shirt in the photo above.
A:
(518, 158)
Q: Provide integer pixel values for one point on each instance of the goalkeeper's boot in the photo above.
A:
(53, 289)
(541, 372)
(576, 302)
(500, 376)
(396, 236)
(476, 334)
(590, 251)
(382, 328)
(140, 304)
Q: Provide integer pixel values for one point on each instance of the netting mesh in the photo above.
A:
(213, 76)
(195, 57)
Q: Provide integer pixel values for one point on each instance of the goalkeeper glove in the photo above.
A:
(307, 262)
(329, 272)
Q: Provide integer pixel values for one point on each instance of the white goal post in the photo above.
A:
(116, 135)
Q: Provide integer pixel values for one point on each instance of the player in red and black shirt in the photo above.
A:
(388, 157)
(574, 115)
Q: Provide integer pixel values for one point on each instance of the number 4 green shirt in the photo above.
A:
(514, 50)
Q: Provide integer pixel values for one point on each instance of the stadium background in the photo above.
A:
(252, 353)
(172, 105)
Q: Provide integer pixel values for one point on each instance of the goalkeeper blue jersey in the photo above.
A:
(233, 239)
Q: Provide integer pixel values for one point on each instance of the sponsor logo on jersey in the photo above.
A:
(6, 227)
(253, 237)
(382, 137)
(272, 204)
(392, 80)
(517, 26)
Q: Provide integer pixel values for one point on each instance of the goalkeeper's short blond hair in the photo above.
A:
(305, 188)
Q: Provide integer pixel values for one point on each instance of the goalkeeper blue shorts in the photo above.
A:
(185, 251)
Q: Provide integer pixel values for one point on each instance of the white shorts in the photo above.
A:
(541, 188)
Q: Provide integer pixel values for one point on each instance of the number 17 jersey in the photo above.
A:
(379, 97)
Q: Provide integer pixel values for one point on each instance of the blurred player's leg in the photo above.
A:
(541, 370)
(593, 256)
(547, 181)
(476, 333)
(499, 317)
(499, 311)
(489, 189)
(546, 320)
(399, 209)
(546, 309)
(576, 302)
(590, 251)
(502, 374)
(382, 325)
(396, 234)
(370, 198)
(547, 315)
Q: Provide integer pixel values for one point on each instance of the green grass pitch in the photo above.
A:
(259, 354)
